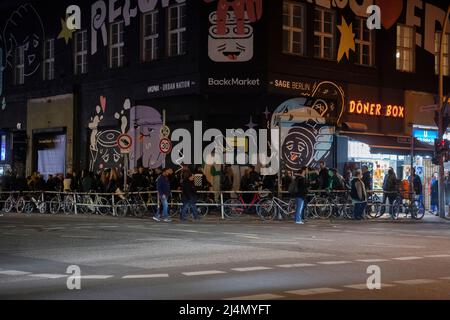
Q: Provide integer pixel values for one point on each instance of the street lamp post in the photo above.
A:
(441, 116)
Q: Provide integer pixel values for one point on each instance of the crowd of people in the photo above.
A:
(298, 184)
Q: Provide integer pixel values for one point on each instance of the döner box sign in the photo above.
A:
(376, 109)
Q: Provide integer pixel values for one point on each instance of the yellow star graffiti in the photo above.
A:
(65, 33)
(347, 40)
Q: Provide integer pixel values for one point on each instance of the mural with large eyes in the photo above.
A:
(24, 29)
(108, 151)
(307, 131)
(145, 127)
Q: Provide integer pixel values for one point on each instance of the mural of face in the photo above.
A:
(108, 151)
(230, 46)
(24, 29)
(305, 137)
(145, 126)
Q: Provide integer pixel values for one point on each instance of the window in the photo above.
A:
(2, 147)
(49, 59)
(324, 33)
(116, 45)
(81, 52)
(150, 36)
(177, 30)
(405, 48)
(363, 43)
(446, 53)
(293, 28)
(19, 65)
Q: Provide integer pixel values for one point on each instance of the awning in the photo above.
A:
(394, 145)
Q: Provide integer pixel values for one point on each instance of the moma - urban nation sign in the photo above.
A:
(376, 109)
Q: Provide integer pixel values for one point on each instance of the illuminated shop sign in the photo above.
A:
(376, 109)
(427, 136)
(171, 86)
(2, 148)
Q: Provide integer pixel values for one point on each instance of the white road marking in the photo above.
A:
(14, 273)
(445, 278)
(146, 276)
(392, 246)
(438, 256)
(240, 234)
(334, 262)
(415, 281)
(407, 258)
(313, 239)
(248, 237)
(81, 237)
(251, 269)
(264, 296)
(94, 277)
(363, 286)
(202, 273)
(189, 231)
(48, 275)
(296, 265)
(372, 260)
(308, 292)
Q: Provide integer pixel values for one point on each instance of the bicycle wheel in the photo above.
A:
(69, 204)
(55, 205)
(418, 211)
(266, 209)
(20, 205)
(9, 205)
(202, 210)
(396, 209)
(28, 208)
(122, 208)
(233, 208)
(322, 208)
(102, 206)
(139, 208)
(292, 208)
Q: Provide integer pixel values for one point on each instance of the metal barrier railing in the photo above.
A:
(80, 200)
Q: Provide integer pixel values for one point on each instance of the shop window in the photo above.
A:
(116, 45)
(445, 51)
(293, 28)
(150, 22)
(49, 59)
(19, 65)
(405, 56)
(2, 147)
(324, 33)
(177, 30)
(81, 52)
(363, 43)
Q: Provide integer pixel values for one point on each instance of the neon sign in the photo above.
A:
(376, 109)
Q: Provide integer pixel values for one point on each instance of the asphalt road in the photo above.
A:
(142, 259)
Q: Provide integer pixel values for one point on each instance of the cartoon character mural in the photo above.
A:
(23, 29)
(307, 125)
(145, 126)
(231, 33)
(142, 123)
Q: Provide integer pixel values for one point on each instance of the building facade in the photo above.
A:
(341, 92)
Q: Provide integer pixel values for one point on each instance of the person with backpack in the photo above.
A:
(299, 189)
(358, 194)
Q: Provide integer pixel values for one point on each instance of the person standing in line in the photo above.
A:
(188, 197)
(434, 188)
(390, 190)
(367, 178)
(324, 176)
(301, 193)
(227, 181)
(163, 188)
(359, 196)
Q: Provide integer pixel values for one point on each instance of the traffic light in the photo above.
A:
(441, 149)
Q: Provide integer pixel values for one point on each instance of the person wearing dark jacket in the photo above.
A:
(389, 191)
(358, 194)
(300, 196)
(163, 188)
(188, 196)
(367, 178)
(324, 176)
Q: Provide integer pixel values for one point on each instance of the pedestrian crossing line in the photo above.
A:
(251, 269)
(334, 262)
(373, 260)
(438, 256)
(363, 286)
(264, 296)
(14, 272)
(445, 278)
(48, 275)
(407, 258)
(415, 281)
(296, 265)
(146, 276)
(202, 273)
(314, 291)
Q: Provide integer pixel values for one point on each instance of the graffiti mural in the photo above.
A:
(307, 128)
(24, 28)
(231, 33)
(142, 123)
